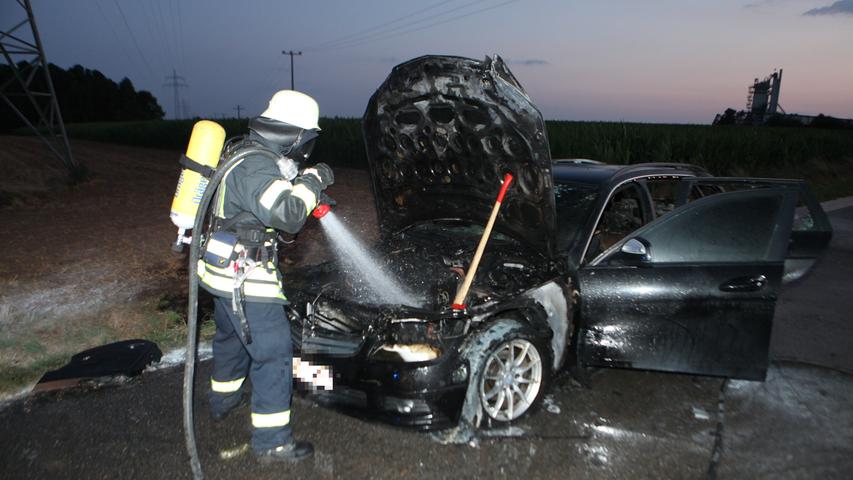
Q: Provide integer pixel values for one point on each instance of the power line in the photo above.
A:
(378, 26)
(172, 17)
(133, 37)
(181, 37)
(167, 38)
(155, 7)
(384, 32)
(291, 53)
(156, 36)
(239, 109)
(119, 41)
(425, 27)
(170, 28)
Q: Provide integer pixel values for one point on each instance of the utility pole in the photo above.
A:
(291, 53)
(239, 108)
(176, 82)
(24, 57)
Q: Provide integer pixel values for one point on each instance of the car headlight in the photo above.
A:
(417, 352)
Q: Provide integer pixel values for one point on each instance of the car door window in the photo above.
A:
(623, 214)
(807, 216)
(728, 227)
(804, 221)
(664, 193)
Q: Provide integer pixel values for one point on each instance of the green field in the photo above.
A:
(340, 142)
(823, 157)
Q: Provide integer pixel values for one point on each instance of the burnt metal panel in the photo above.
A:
(441, 132)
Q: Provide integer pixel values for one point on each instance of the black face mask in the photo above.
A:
(301, 150)
(288, 140)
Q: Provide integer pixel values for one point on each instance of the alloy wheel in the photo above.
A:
(512, 378)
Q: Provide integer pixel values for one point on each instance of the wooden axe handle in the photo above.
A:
(459, 300)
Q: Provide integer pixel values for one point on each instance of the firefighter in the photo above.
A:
(258, 197)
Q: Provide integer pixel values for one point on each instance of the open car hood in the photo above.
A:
(442, 131)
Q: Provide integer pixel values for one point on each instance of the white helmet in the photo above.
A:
(294, 108)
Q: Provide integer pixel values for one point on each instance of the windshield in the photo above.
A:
(574, 202)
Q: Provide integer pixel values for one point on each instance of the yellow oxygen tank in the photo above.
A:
(205, 146)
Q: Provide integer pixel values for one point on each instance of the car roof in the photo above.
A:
(597, 173)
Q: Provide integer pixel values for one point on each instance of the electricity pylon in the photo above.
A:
(39, 109)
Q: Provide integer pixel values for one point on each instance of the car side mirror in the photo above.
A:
(635, 247)
(635, 251)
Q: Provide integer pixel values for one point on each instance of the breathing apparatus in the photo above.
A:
(207, 160)
(199, 162)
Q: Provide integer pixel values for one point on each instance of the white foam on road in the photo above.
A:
(178, 356)
(8, 399)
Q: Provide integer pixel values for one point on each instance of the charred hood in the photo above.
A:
(442, 131)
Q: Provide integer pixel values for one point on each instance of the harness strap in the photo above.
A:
(243, 267)
(228, 224)
(247, 235)
(191, 164)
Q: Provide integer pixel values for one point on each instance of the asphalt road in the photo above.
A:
(797, 424)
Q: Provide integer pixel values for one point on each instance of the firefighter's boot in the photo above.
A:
(292, 452)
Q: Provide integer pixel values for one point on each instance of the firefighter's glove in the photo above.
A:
(327, 200)
(323, 173)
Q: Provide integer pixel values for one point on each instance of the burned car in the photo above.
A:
(647, 266)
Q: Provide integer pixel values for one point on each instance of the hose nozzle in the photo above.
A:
(321, 210)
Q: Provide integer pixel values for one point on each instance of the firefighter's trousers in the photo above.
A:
(267, 361)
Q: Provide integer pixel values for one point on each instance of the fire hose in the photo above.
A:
(192, 305)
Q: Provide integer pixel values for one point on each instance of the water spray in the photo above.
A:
(357, 256)
(459, 300)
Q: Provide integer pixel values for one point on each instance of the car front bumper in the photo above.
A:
(422, 395)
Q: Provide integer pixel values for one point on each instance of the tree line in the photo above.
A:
(84, 95)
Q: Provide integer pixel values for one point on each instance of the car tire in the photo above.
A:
(510, 372)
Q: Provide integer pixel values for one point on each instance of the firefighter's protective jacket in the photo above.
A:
(256, 186)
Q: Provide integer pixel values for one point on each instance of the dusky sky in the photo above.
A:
(673, 61)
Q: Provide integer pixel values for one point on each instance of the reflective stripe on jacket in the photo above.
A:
(262, 285)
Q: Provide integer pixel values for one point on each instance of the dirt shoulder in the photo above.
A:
(83, 265)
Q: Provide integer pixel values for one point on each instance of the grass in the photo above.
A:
(25, 356)
(15, 377)
(25, 177)
(169, 328)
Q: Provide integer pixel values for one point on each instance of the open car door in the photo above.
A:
(810, 232)
(693, 291)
